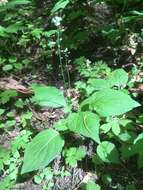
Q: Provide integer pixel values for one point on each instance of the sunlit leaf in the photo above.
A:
(119, 77)
(86, 124)
(107, 152)
(42, 150)
(60, 5)
(48, 96)
(109, 103)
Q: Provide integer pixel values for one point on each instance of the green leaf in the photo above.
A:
(10, 123)
(115, 127)
(126, 151)
(92, 186)
(26, 117)
(6, 183)
(137, 145)
(139, 13)
(2, 111)
(105, 128)
(48, 96)
(7, 95)
(118, 77)
(14, 3)
(61, 125)
(50, 33)
(99, 84)
(107, 179)
(126, 136)
(60, 5)
(19, 2)
(7, 67)
(86, 124)
(112, 124)
(21, 140)
(42, 150)
(73, 155)
(96, 160)
(107, 152)
(38, 179)
(4, 156)
(3, 31)
(13, 28)
(109, 103)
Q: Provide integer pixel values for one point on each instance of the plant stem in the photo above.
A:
(60, 55)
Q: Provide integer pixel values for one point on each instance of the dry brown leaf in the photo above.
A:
(12, 84)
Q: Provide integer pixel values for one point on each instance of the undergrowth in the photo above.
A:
(71, 94)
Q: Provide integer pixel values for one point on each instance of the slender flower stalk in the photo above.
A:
(60, 55)
(57, 22)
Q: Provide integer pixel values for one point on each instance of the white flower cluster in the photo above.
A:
(3, 2)
(57, 21)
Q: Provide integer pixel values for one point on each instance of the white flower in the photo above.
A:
(57, 20)
(51, 44)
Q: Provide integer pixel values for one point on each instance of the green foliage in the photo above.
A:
(111, 125)
(21, 140)
(107, 152)
(4, 157)
(91, 186)
(7, 95)
(99, 84)
(110, 103)
(48, 96)
(45, 175)
(88, 70)
(6, 183)
(73, 155)
(95, 46)
(118, 78)
(7, 67)
(25, 118)
(84, 123)
(42, 150)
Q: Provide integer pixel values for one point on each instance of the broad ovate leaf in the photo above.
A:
(107, 152)
(99, 84)
(109, 103)
(42, 150)
(48, 96)
(119, 77)
(86, 124)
